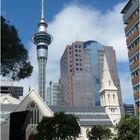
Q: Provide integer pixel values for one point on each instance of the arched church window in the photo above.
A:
(104, 100)
(33, 108)
(108, 98)
(109, 82)
(113, 98)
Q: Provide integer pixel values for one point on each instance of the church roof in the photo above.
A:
(107, 82)
(88, 116)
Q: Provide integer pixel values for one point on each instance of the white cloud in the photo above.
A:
(79, 22)
(126, 87)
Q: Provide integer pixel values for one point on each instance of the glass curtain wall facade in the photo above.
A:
(54, 94)
(131, 16)
(81, 72)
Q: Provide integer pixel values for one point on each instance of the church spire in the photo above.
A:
(107, 82)
(109, 95)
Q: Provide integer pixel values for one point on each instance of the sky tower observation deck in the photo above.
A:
(42, 40)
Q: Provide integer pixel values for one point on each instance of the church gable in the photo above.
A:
(33, 99)
(8, 99)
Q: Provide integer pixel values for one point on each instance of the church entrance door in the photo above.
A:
(31, 137)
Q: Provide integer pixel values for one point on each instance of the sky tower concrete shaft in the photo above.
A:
(42, 40)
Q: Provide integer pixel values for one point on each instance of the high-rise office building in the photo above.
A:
(129, 108)
(42, 39)
(81, 68)
(9, 88)
(54, 94)
(131, 16)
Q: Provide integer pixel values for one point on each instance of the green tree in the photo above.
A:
(60, 126)
(99, 132)
(14, 57)
(128, 128)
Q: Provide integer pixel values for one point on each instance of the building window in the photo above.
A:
(113, 98)
(89, 104)
(135, 73)
(108, 98)
(88, 93)
(136, 88)
(33, 108)
(132, 30)
(112, 109)
(87, 69)
(131, 46)
(134, 59)
(104, 99)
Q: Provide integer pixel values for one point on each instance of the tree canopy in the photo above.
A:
(99, 132)
(14, 57)
(60, 126)
(128, 128)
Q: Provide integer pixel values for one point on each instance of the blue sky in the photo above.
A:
(68, 19)
(25, 14)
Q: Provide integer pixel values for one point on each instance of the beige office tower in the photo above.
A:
(81, 68)
(131, 16)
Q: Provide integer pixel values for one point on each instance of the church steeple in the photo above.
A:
(107, 82)
(109, 96)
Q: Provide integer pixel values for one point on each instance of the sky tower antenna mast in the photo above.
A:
(42, 13)
(42, 40)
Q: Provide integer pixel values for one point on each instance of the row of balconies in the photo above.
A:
(135, 79)
(135, 65)
(136, 33)
(131, 23)
(137, 95)
(134, 50)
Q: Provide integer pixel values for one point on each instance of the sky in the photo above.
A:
(68, 21)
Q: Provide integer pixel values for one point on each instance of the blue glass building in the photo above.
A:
(81, 68)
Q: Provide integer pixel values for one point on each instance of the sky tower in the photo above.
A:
(42, 40)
